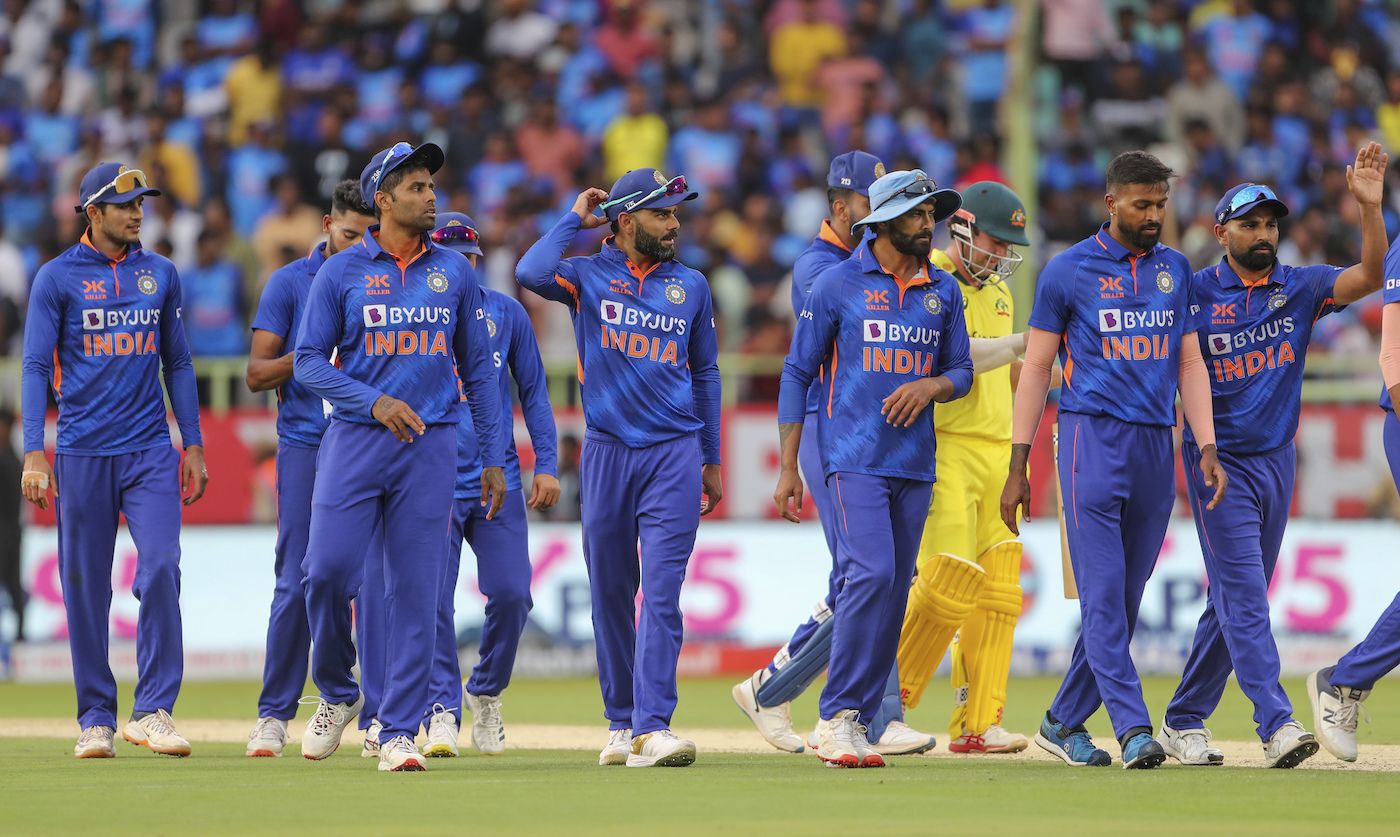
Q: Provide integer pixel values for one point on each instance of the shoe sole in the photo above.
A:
(909, 751)
(409, 766)
(263, 753)
(96, 754)
(440, 751)
(618, 760)
(872, 760)
(1055, 750)
(178, 752)
(750, 710)
(1300, 753)
(1146, 762)
(840, 761)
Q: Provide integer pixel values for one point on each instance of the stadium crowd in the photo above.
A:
(247, 113)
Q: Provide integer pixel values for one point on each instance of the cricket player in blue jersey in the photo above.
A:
(103, 327)
(649, 378)
(500, 544)
(1254, 350)
(301, 421)
(1115, 309)
(885, 332)
(406, 318)
(1338, 691)
(766, 696)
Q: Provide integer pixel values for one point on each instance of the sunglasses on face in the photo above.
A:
(456, 234)
(124, 182)
(675, 186)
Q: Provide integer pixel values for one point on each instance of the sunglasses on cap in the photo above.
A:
(1248, 195)
(675, 186)
(456, 234)
(397, 152)
(123, 182)
(922, 186)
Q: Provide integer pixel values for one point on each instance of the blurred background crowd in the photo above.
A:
(247, 113)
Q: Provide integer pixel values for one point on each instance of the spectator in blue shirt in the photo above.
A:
(251, 168)
(213, 308)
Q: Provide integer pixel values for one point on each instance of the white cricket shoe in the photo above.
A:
(899, 739)
(488, 730)
(267, 738)
(327, 725)
(841, 742)
(618, 749)
(442, 734)
(1190, 746)
(371, 748)
(1290, 746)
(774, 723)
(156, 732)
(95, 743)
(661, 749)
(398, 755)
(1335, 713)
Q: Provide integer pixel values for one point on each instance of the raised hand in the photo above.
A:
(1366, 177)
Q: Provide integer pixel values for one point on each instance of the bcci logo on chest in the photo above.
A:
(933, 304)
(146, 282)
(437, 281)
(675, 294)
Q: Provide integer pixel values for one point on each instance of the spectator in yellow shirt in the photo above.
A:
(636, 139)
(1388, 114)
(797, 50)
(254, 86)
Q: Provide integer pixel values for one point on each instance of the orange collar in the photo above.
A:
(87, 239)
(828, 234)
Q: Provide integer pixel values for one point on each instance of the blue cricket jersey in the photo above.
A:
(869, 333)
(1122, 316)
(102, 332)
(301, 414)
(826, 250)
(403, 329)
(1390, 292)
(1254, 345)
(648, 356)
(514, 354)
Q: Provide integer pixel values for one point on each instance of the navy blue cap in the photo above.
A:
(457, 231)
(646, 189)
(391, 158)
(1244, 198)
(855, 170)
(104, 183)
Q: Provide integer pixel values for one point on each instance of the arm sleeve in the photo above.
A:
(989, 353)
(1195, 391)
(1034, 385)
(274, 314)
(705, 383)
(471, 344)
(954, 351)
(1390, 349)
(40, 346)
(528, 370)
(816, 330)
(322, 328)
(178, 366)
(544, 270)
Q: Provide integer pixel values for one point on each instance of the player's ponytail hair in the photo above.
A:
(1136, 167)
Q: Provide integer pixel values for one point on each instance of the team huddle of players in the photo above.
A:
(393, 369)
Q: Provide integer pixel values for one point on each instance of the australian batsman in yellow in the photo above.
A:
(968, 590)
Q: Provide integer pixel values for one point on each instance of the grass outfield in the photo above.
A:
(221, 791)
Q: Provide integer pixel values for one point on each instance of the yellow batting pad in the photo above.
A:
(998, 610)
(940, 601)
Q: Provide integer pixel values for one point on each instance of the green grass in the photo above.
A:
(706, 703)
(44, 790)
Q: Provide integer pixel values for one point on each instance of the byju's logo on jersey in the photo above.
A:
(1110, 319)
(1219, 344)
(1392, 283)
(375, 316)
(93, 318)
(612, 312)
(874, 331)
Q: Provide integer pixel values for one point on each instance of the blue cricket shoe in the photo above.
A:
(1143, 752)
(1073, 746)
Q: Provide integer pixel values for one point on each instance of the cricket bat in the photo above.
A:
(1066, 567)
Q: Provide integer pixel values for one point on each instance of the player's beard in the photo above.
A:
(1258, 257)
(656, 247)
(919, 244)
(1142, 238)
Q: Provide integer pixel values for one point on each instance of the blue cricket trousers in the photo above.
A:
(629, 496)
(94, 492)
(1119, 486)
